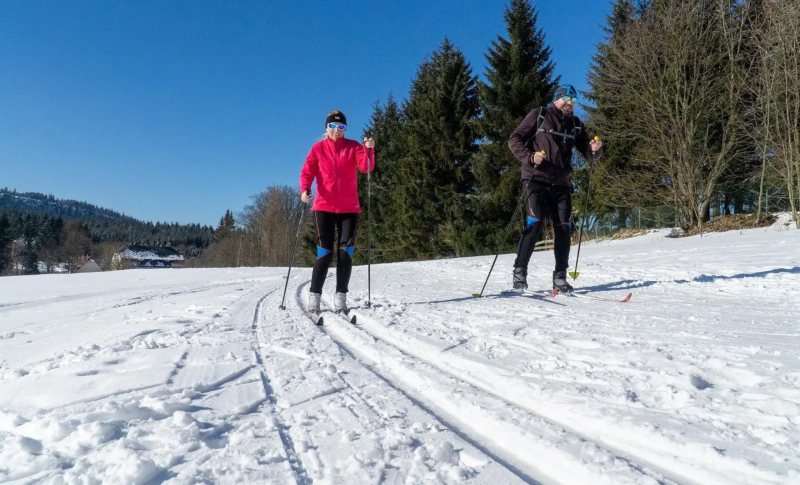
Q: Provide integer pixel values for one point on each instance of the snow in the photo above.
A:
(196, 376)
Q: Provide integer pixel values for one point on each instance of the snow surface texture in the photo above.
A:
(196, 376)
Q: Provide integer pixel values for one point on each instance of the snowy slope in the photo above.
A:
(196, 376)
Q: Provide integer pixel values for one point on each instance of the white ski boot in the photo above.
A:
(340, 302)
(313, 302)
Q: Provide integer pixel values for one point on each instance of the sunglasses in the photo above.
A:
(333, 126)
(570, 99)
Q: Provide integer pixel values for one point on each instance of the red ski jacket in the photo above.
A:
(333, 164)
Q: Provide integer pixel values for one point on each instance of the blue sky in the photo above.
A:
(178, 110)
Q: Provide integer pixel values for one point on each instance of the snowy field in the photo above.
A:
(196, 376)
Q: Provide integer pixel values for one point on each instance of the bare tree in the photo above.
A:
(685, 64)
(76, 244)
(264, 233)
(779, 45)
(270, 222)
(104, 253)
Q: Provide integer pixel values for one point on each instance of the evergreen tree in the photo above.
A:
(29, 259)
(227, 225)
(26, 211)
(608, 112)
(388, 127)
(435, 179)
(519, 78)
(5, 241)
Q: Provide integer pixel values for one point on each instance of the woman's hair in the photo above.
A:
(334, 112)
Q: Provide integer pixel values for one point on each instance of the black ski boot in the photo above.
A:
(520, 279)
(560, 282)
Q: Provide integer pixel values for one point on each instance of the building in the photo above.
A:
(148, 257)
(89, 266)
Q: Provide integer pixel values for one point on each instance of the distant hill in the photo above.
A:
(27, 211)
(49, 204)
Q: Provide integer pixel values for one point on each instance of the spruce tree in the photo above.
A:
(5, 242)
(227, 224)
(519, 78)
(435, 179)
(388, 127)
(608, 112)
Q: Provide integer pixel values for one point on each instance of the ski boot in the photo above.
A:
(313, 303)
(340, 302)
(560, 282)
(520, 279)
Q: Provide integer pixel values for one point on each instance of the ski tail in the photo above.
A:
(601, 298)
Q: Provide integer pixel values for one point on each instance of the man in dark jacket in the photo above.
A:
(543, 142)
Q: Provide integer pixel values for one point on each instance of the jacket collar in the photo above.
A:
(334, 142)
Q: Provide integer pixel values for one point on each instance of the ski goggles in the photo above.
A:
(570, 99)
(333, 126)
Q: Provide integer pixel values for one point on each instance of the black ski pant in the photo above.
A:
(542, 201)
(345, 226)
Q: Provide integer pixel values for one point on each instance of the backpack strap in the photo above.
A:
(576, 127)
(541, 119)
(539, 122)
(576, 130)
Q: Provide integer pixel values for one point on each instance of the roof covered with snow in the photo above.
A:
(149, 253)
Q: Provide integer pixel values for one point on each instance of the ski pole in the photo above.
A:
(291, 261)
(576, 273)
(369, 230)
(500, 244)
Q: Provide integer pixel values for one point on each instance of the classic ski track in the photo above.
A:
(472, 334)
(637, 461)
(415, 401)
(301, 476)
(641, 466)
(357, 395)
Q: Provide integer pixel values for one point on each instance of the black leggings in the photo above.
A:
(345, 225)
(545, 200)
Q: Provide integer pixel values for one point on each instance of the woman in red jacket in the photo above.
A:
(332, 162)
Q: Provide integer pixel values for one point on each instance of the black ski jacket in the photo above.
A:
(557, 134)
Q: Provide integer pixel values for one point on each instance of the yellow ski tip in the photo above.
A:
(476, 295)
(574, 274)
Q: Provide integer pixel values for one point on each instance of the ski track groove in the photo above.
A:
(356, 393)
(178, 366)
(635, 461)
(301, 476)
(457, 431)
(473, 335)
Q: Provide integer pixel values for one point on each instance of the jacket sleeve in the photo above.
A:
(524, 132)
(309, 172)
(582, 144)
(365, 159)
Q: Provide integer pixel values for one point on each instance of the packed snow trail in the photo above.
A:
(351, 426)
(186, 376)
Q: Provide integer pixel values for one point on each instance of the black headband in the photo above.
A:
(337, 117)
